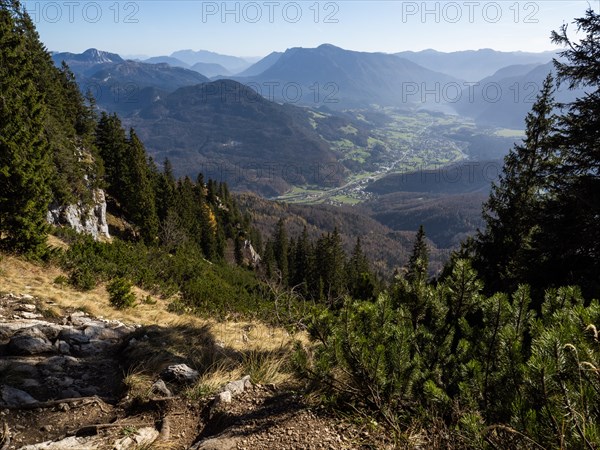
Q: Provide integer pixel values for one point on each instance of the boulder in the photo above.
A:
(26, 307)
(12, 397)
(29, 341)
(237, 387)
(223, 397)
(72, 442)
(73, 336)
(142, 438)
(159, 387)
(180, 373)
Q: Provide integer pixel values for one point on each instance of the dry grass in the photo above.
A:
(221, 351)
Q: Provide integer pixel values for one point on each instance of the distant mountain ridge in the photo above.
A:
(233, 64)
(505, 98)
(88, 61)
(262, 65)
(211, 70)
(167, 60)
(342, 78)
(125, 86)
(474, 65)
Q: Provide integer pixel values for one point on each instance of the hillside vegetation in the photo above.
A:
(499, 350)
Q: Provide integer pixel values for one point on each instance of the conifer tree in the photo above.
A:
(112, 146)
(301, 263)
(570, 232)
(238, 243)
(512, 214)
(165, 191)
(139, 197)
(418, 264)
(330, 260)
(25, 165)
(358, 274)
(280, 250)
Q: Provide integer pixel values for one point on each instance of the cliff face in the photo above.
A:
(88, 219)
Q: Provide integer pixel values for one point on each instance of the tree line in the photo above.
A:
(54, 148)
(318, 270)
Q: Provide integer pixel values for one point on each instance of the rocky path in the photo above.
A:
(62, 387)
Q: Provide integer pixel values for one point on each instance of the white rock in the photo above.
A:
(223, 397)
(74, 443)
(88, 219)
(143, 437)
(159, 387)
(237, 387)
(26, 307)
(30, 315)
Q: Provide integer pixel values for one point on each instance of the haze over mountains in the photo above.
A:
(326, 118)
(474, 65)
(341, 78)
(338, 78)
(180, 114)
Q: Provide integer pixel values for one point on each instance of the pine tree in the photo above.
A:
(301, 274)
(506, 249)
(418, 263)
(330, 262)
(25, 165)
(165, 191)
(139, 197)
(570, 232)
(280, 250)
(238, 244)
(112, 146)
(269, 261)
(358, 274)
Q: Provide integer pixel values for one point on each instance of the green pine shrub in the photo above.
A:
(120, 295)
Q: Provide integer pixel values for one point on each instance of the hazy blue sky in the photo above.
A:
(158, 27)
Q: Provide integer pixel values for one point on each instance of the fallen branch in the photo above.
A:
(70, 401)
(165, 430)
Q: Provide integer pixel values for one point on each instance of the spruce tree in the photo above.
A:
(418, 264)
(570, 232)
(112, 145)
(358, 274)
(25, 164)
(301, 263)
(330, 260)
(507, 247)
(139, 197)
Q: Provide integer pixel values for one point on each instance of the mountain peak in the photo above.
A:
(98, 56)
(329, 47)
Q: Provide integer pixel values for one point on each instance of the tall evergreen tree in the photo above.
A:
(112, 145)
(302, 263)
(570, 232)
(139, 198)
(280, 250)
(506, 248)
(25, 165)
(330, 262)
(358, 274)
(418, 264)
